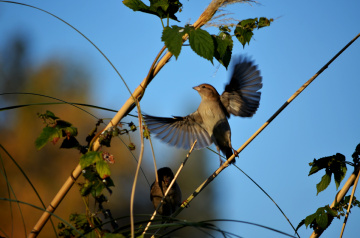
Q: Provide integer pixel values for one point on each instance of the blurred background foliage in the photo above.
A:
(67, 79)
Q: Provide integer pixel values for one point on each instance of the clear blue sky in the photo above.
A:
(305, 35)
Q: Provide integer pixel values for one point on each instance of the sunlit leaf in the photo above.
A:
(202, 43)
(47, 134)
(103, 169)
(324, 183)
(172, 37)
(90, 158)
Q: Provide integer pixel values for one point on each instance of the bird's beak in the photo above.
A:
(197, 88)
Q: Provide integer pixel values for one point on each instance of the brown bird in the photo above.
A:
(173, 200)
(209, 123)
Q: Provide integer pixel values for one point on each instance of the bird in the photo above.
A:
(209, 123)
(173, 199)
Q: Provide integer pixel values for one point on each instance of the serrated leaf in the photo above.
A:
(300, 225)
(90, 158)
(263, 22)
(136, 5)
(103, 169)
(314, 168)
(202, 43)
(172, 37)
(340, 175)
(71, 131)
(97, 188)
(309, 219)
(243, 35)
(160, 8)
(47, 134)
(51, 115)
(324, 183)
(321, 218)
(223, 48)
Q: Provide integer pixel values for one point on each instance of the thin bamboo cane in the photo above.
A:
(136, 173)
(224, 165)
(349, 206)
(124, 110)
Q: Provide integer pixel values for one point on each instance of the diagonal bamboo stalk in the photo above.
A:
(226, 164)
(124, 110)
(349, 206)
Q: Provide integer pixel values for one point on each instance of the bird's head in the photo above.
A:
(207, 91)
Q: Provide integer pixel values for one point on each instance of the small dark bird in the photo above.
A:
(173, 200)
(209, 123)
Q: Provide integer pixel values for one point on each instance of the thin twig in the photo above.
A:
(137, 172)
(170, 186)
(224, 165)
(349, 206)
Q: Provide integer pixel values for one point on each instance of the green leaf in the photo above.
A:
(243, 35)
(309, 219)
(103, 169)
(136, 5)
(324, 183)
(160, 8)
(322, 218)
(51, 115)
(202, 43)
(71, 131)
(263, 22)
(47, 134)
(172, 37)
(340, 175)
(244, 29)
(223, 48)
(90, 158)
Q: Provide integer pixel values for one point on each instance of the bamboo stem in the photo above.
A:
(124, 110)
(349, 206)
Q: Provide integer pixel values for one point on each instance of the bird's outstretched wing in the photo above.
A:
(179, 131)
(241, 96)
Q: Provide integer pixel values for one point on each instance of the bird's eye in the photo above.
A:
(203, 86)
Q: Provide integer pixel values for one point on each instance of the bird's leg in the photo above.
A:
(235, 153)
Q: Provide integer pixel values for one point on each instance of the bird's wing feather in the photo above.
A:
(241, 96)
(179, 131)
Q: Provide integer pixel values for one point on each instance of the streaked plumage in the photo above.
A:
(209, 122)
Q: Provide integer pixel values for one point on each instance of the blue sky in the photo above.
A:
(322, 121)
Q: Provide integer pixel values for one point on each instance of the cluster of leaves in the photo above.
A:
(94, 164)
(335, 164)
(54, 130)
(161, 8)
(201, 42)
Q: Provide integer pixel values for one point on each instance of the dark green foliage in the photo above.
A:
(334, 164)
(244, 29)
(54, 130)
(160, 8)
